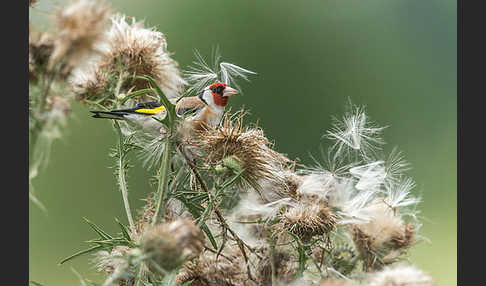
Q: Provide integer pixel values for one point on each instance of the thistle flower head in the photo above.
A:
(109, 262)
(400, 275)
(355, 132)
(129, 50)
(247, 146)
(41, 46)
(201, 74)
(307, 220)
(229, 269)
(171, 244)
(385, 233)
(80, 26)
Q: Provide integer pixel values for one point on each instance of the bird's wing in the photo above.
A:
(145, 108)
(189, 104)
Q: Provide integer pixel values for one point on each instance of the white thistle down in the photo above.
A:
(316, 184)
(395, 166)
(355, 133)
(250, 206)
(398, 194)
(201, 74)
(370, 176)
(350, 202)
(400, 275)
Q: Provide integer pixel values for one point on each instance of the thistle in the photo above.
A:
(246, 148)
(169, 245)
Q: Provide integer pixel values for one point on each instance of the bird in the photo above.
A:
(207, 108)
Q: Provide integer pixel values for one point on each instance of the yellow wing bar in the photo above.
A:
(150, 110)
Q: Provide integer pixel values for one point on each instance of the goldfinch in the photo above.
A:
(207, 107)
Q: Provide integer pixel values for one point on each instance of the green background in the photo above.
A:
(397, 57)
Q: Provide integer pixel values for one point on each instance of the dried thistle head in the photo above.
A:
(58, 103)
(286, 187)
(41, 46)
(241, 148)
(130, 50)
(171, 244)
(381, 240)
(116, 264)
(285, 268)
(228, 269)
(400, 275)
(308, 220)
(80, 25)
(108, 262)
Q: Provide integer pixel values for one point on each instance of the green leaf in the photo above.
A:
(35, 283)
(124, 230)
(137, 93)
(208, 233)
(89, 250)
(98, 230)
(195, 210)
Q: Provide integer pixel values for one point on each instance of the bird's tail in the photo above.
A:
(108, 114)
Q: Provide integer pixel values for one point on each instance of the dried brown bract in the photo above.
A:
(171, 244)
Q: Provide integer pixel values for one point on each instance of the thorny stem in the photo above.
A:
(162, 186)
(219, 215)
(121, 179)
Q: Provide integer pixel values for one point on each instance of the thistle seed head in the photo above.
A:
(229, 269)
(248, 146)
(381, 240)
(171, 244)
(129, 50)
(80, 25)
(41, 46)
(308, 220)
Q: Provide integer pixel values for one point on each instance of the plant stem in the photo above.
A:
(121, 179)
(162, 186)
(272, 261)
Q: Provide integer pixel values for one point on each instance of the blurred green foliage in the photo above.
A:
(397, 57)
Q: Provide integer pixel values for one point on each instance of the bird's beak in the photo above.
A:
(229, 91)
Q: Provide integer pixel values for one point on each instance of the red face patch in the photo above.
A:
(220, 100)
(217, 91)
